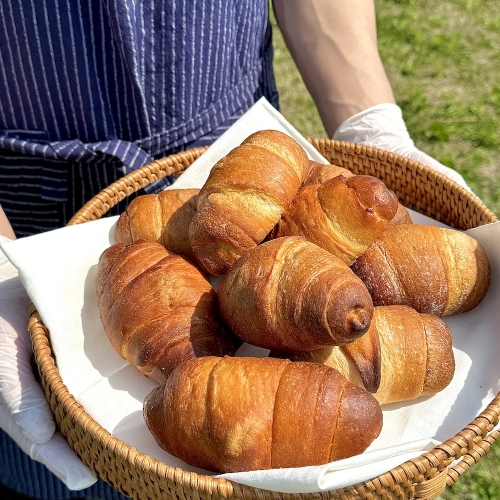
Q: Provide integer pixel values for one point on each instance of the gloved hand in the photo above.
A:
(383, 127)
(24, 412)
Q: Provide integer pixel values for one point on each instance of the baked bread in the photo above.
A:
(321, 172)
(402, 216)
(244, 197)
(158, 310)
(404, 355)
(162, 217)
(342, 215)
(239, 414)
(435, 270)
(289, 294)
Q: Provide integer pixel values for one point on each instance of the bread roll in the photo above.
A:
(290, 294)
(157, 309)
(432, 269)
(404, 355)
(240, 414)
(343, 216)
(162, 217)
(402, 216)
(244, 197)
(320, 173)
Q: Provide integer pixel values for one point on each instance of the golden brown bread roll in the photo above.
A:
(162, 217)
(158, 309)
(320, 173)
(402, 216)
(343, 216)
(290, 294)
(432, 269)
(244, 197)
(240, 414)
(403, 355)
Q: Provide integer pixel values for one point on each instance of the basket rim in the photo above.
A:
(472, 440)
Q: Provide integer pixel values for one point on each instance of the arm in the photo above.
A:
(5, 227)
(334, 45)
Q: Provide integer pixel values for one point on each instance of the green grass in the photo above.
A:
(481, 482)
(443, 61)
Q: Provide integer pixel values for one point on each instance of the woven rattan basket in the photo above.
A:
(139, 476)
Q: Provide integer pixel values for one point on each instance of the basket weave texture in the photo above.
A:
(139, 476)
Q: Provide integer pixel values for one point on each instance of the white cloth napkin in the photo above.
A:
(58, 270)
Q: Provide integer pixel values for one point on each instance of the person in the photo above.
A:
(91, 91)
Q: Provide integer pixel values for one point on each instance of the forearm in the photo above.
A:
(334, 44)
(5, 227)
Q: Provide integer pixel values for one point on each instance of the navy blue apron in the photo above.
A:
(91, 90)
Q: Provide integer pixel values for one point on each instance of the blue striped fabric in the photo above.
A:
(92, 90)
(21, 474)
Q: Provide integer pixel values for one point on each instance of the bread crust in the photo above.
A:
(158, 310)
(239, 414)
(402, 216)
(162, 217)
(409, 354)
(435, 270)
(322, 172)
(290, 294)
(342, 215)
(244, 197)
(440, 357)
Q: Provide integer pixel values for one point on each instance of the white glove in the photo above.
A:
(24, 412)
(383, 127)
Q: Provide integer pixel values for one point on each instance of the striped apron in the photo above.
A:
(92, 90)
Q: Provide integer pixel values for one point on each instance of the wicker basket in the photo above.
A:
(139, 476)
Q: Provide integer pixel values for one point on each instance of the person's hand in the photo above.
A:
(25, 414)
(383, 127)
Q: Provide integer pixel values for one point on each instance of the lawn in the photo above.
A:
(443, 61)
